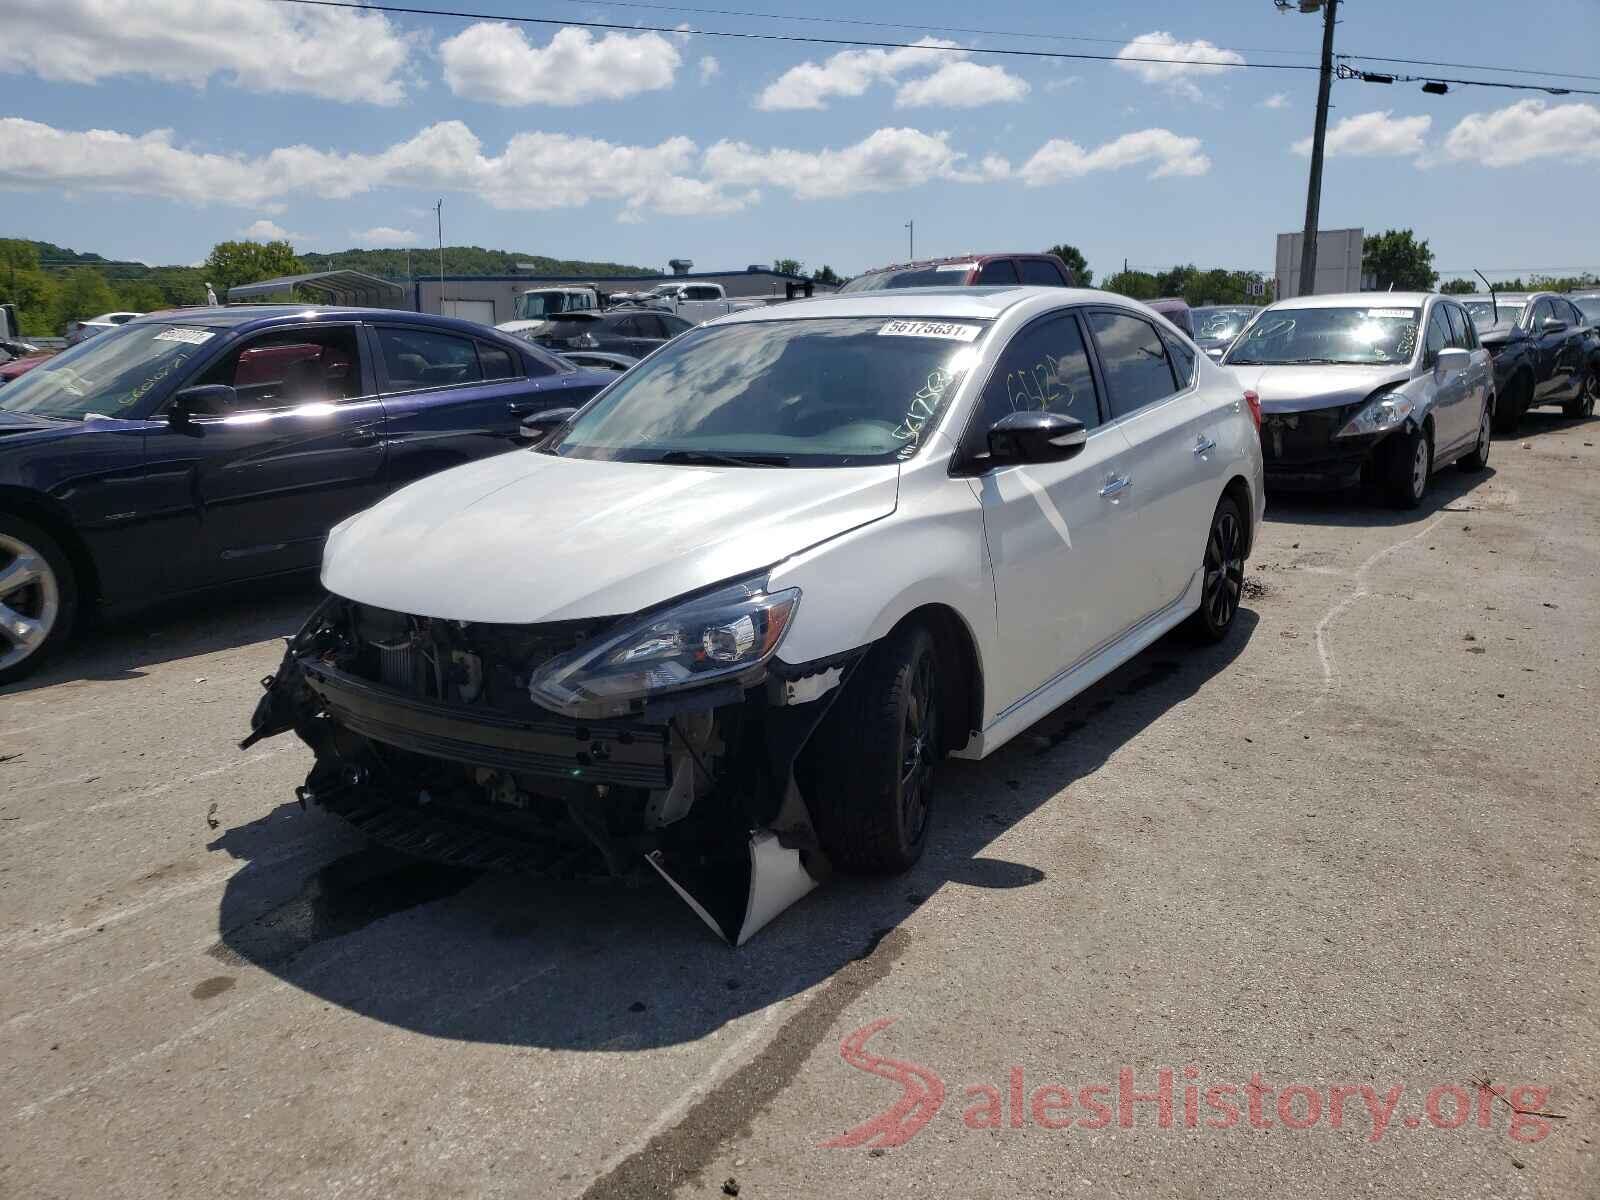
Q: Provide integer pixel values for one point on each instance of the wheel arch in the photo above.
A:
(1238, 490)
(54, 519)
(959, 648)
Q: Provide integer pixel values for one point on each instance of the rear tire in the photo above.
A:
(1588, 392)
(38, 597)
(1222, 574)
(875, 756)
(1407, 468)
(1479, 458)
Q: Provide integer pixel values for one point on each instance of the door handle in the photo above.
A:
(1116, 484)
(367, 435)
(518, 407)
(1204, 445)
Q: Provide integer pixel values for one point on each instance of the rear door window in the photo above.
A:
(1134, 361)
(415, 359)
(497, 362)
(999, 271)
(1038, 272)
(1183, 358)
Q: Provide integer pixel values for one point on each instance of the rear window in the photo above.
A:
(942, 275)
(1039, 273)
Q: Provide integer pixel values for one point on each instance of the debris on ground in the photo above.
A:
(5, 758)
(1254, 589)
(730, 1186)
(211, 816)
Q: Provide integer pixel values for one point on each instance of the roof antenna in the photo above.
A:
(1492, 299)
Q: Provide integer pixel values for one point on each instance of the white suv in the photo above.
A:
(729, 616)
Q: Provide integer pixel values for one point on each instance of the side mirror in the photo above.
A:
(540, 425)
(1036, 437)
(1552, 325)
(209, 400)
(1452, 359)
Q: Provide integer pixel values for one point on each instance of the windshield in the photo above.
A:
(1589, 306)
(943, 275)
(1328, 335)
(531, 306)
(1214, 324)
(1482, 312)
(836, 391)
(109, 375)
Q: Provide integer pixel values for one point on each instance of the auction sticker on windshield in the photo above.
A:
(931, 329)
(1399, 314)
(193, 337)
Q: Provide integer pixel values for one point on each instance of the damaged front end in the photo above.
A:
(571, 748)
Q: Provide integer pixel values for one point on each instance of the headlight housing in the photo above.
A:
(1378, 415)
(725, 635)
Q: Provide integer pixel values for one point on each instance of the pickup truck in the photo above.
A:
(694, 302)
(535, 306)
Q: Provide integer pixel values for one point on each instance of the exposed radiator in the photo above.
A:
(400, 665)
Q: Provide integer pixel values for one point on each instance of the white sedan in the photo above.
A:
(79, 331)
(737, 608)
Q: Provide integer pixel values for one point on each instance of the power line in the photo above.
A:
(1425, 62)
(1435, 83)
(864, 43)
(806, 39)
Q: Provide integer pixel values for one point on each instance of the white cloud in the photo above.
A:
(1373, 134)
(385, 235)
(492, 61)
(851, 73)
(535, 170)
(1181, 63)
(961, 85)
(270, 231)
(1276, 100)
(710, 68)
(1524, 131)
(885, 161)
(336, 54)
(1059, 159)
(1061, 85)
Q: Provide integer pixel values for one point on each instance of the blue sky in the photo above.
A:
(218, 117)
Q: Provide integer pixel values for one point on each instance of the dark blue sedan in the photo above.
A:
(208, 446)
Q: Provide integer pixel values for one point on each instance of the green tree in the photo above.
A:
(84, 293)
(788, 266)
(232, 263)
(1399, 261)
(826, 274)
(140, 295)
(1136, 285)
(1074, 258)
(1458, 287)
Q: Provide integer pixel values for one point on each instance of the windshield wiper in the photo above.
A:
(717, 458)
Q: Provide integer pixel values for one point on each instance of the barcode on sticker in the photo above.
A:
(930, 329)
(193, 337)
(1404, 314)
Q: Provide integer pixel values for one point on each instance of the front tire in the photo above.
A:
(875, 755)
(38, 597)
(1223, 581)
(1479, 458)
(1408, 468)
(1588, 393)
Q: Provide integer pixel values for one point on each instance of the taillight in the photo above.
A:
(1254, 403)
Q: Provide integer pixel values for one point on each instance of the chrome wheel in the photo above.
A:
(1224, 578)
(1485, 435)
(1419, 468)
(30, 601)
(919, 750)
(1591, 393)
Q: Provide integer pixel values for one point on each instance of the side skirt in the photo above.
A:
(1090, 670)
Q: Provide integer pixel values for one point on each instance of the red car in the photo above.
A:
(968, 270)
(22, 364)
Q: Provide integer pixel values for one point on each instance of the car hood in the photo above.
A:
(527, 537)
(17, 428)
(1288, 389)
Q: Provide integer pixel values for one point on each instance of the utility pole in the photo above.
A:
(438, 213)
(1308, 243)
(911, 241)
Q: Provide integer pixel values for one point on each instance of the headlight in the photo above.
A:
(728, 634)
(1378, 415)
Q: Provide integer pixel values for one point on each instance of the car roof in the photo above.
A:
(1359, 300)
(244, 317)
(922, 264)
(932, 303)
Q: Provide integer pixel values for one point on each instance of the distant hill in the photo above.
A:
(462, 260)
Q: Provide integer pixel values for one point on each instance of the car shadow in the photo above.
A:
(1362, 506)
(126, 646)
(1537, 421)
(609, 966)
